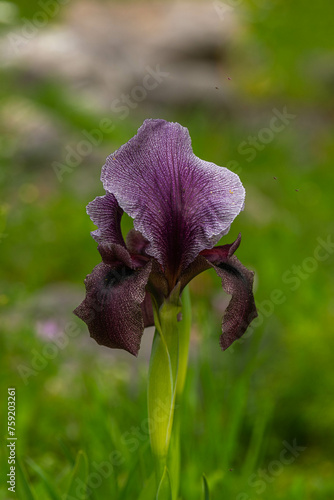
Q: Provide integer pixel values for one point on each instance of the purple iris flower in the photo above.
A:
(181, 206)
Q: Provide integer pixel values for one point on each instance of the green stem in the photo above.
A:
(167, 372)
(174, 459)
(184, 339)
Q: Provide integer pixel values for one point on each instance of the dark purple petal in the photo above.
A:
(115, 255)
(237, 281)
(179, 203)
(201, 263)
(112, 308)
(135, 242)
(221, 253)
(106, 213)
(158, 284)
(147, 311)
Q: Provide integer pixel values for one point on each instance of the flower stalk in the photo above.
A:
(174, 458)
(167, 372)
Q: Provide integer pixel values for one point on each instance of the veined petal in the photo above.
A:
(179, 203)
(106, 213)
(113, 305)
(237, 281)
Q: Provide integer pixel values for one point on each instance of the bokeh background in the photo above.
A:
(253, 82)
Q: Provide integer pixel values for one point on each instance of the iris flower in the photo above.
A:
(181, 206)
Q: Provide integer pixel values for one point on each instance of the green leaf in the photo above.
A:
(23, 489)
(78, 478)
(174, 455)
(206, 491)
(48, 485)
(165, 488)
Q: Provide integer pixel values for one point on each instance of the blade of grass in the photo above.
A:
(257, 438)
(206, 491)
(238, 406)
(24, 490)
(80, 472)
(47, 483)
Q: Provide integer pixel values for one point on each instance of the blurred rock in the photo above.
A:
(104, 50)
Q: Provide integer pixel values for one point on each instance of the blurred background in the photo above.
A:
(253, 82)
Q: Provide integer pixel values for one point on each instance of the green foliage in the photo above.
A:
(165, 488)
(78, 477)
(206, 492)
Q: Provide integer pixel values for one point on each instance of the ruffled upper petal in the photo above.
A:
(179, 203)
(106, 213)
(237, 281)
